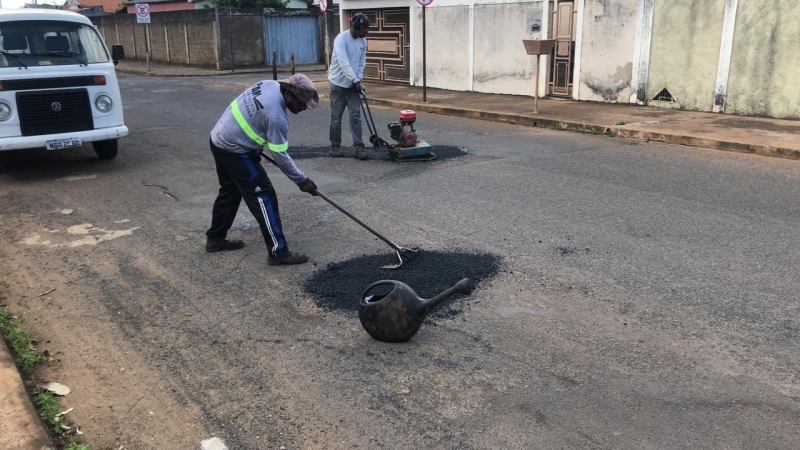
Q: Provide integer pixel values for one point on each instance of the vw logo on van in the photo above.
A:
(55, 106)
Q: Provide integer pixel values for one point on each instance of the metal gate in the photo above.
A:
(388, 45)
(287, 35)
(562, 19)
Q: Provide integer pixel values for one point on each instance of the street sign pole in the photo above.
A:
(143, 16)
(230, 33)
(424, 62)
(424, 4)
(323, 6)
(147, 45)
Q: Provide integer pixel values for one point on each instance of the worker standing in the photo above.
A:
(347, 69)
(257, 119)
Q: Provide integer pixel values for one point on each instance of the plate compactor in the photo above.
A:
(408, 147)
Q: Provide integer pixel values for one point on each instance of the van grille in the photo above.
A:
(48, 83)
(51, 112)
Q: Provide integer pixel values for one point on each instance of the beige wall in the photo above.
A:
(765, 65)
(501, 64)
(609, 32)
(447, 47)
(685, 51)
(198, 26)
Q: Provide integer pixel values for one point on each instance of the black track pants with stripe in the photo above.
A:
(242, 176)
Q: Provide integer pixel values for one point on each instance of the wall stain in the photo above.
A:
(611, 88)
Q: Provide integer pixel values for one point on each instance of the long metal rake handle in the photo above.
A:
(356, 219)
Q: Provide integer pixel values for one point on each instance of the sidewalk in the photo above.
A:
(20, 426)
(767, 137)
(136, 67)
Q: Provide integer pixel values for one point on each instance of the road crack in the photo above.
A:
(164, 190)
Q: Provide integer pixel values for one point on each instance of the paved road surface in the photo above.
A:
(648, 296)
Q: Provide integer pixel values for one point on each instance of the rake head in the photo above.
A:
(403, 256)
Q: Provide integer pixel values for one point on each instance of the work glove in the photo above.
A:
(359, 87)
(308, 186)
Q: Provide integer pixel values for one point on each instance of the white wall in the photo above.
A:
(448, 54)
(471, 44)
(500, 62)
(609, 32)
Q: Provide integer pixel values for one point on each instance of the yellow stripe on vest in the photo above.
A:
(278, 148)
(237, 114)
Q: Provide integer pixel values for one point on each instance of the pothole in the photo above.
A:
(442, 152)
(338, 286)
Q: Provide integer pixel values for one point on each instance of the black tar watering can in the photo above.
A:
(397, 315)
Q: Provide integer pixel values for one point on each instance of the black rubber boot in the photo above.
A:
(217, 245)
(287, 259)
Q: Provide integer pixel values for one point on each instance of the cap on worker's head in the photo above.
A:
(302, 88)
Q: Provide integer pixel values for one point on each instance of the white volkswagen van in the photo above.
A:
(58, 87)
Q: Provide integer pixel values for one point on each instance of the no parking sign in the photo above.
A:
(323, 5)
(142, 13)
(422, 2)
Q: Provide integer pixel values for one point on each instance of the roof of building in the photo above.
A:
(109, 6)
(7, 15)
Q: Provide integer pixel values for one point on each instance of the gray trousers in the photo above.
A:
(341, 98)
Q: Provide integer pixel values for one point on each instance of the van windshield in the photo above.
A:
(49, 43)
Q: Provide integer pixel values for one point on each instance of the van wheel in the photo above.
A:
(105, 149)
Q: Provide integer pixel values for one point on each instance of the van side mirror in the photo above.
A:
(117, 53)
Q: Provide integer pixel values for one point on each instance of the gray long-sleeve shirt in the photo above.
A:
(257, 119)
(348, 60)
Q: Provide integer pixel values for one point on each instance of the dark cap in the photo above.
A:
(302, 88)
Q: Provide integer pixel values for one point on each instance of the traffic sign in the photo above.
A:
(422, 2)
(323, 5)
(142, 13)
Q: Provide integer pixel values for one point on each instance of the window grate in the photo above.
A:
(664, 96)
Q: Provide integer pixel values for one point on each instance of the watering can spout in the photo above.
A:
(463, 287)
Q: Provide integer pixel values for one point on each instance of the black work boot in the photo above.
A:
(216, 245)
(287, 259)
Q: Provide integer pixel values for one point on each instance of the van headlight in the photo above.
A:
(103, 103)
(5, 111)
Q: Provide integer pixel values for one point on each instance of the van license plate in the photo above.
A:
(58, 144)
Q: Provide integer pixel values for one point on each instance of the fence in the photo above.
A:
(221, 37)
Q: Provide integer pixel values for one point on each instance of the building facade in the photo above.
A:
(726, 56)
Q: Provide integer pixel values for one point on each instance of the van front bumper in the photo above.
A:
(100, 134)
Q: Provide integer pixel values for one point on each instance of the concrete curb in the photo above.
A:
(20, 425)
(691, 141)
(145, 73)
(213, 73)
(715, 144)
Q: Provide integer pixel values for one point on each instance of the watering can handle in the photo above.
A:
(376, 284)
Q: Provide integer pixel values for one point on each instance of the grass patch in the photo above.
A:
(26, 357)
(25, 353)
(621, 123)
(47, 406)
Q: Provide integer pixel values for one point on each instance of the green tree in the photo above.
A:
(250, 3)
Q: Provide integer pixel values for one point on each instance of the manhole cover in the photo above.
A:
(338, 286)
(442, 152)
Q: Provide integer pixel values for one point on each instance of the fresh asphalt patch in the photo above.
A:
(339, 285)
(442, 152)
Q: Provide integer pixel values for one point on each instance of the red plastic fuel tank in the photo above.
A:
(408, 116)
